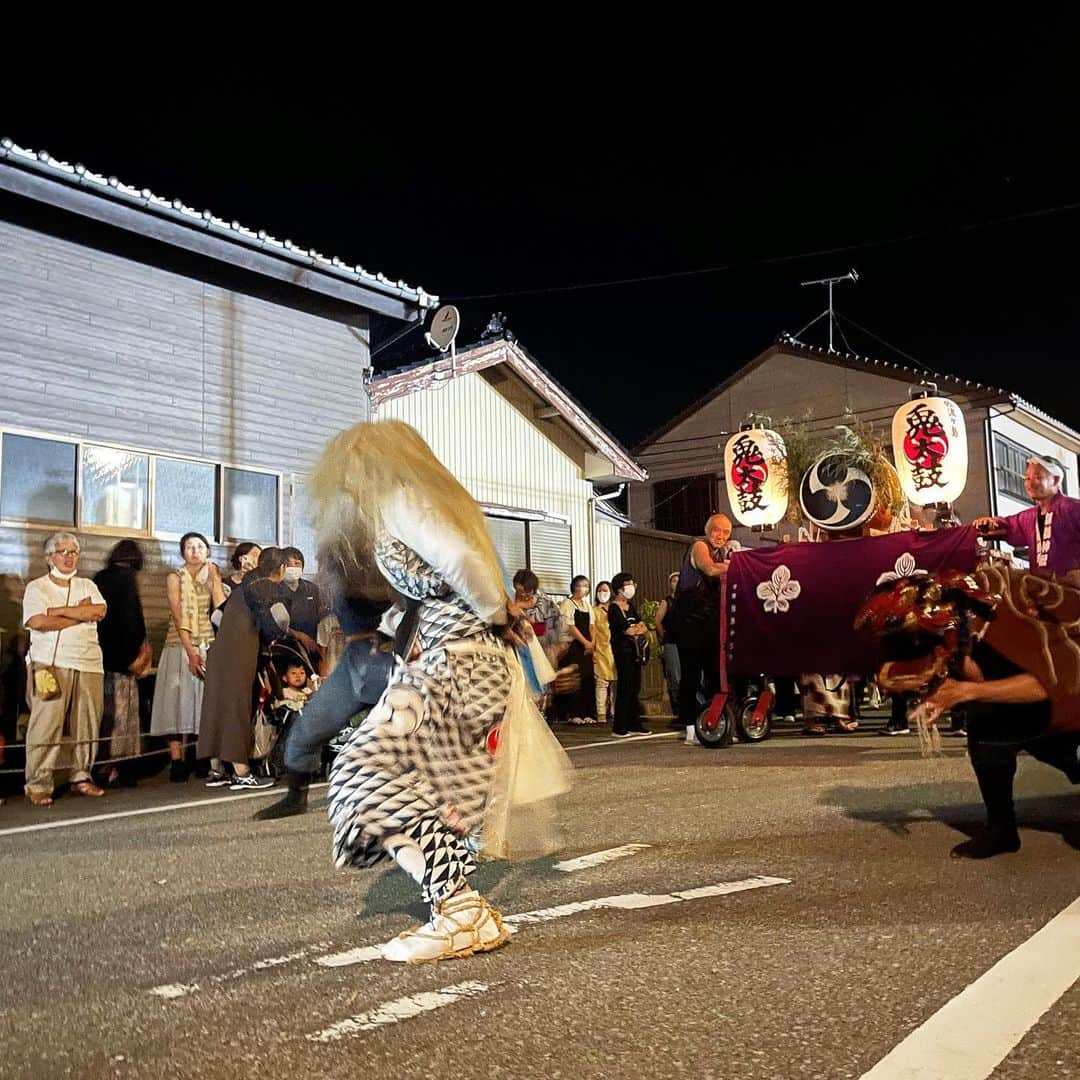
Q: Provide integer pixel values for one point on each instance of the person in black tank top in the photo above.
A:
(695, 618)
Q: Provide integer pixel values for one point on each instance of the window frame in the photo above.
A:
(150, 532)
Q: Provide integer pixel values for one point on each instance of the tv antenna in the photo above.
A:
(829, 312)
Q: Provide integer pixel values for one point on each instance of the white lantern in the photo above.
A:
(930, 447)
(755, 467)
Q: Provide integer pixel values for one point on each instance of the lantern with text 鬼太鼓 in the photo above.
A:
(930, 448)
(755, 467)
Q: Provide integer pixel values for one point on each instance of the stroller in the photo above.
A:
(274, 713)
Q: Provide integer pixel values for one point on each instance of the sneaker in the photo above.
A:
(623, 734)
(578, 721)
(896, 731)
(251, 782)
(218, 779)
(463, 925)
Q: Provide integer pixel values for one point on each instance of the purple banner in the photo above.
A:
(790, 608)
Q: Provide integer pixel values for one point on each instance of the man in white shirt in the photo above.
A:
(62, 611)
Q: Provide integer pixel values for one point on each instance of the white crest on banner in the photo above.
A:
(904, 567)
(779, 590)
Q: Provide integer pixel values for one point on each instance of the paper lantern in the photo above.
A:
(755, 467)
(930, 447)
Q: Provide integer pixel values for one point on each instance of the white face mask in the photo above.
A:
(603, 596)
(628, 592)
(292, 574)
(61, 575)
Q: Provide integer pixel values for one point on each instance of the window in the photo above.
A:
(1010, 462)
(37, 480)
(541, 546)
(508, 536)
(303, 525)
(249, 506)
(550, 556)
(685, 504)
(185, 497)
(115, 488)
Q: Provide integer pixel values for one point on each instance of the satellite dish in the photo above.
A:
(836, 496)
(444, 328)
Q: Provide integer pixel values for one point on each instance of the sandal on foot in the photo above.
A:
(461, 926)
(86, 787)
(38, 799)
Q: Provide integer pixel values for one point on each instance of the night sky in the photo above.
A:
(945, 158)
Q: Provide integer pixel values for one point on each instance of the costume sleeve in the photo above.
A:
(464, 569)
(1015, 536)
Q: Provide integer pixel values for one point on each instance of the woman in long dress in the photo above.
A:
(412, 782)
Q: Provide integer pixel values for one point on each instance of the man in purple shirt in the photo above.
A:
(1050, 530)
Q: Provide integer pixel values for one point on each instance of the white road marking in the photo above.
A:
(147, 810)
(393, 1012)
(973, 1033)
(626, 902)
(626, 742)
(351, 956)
(195, 803)
(598, 858)
(364, 954)
(171, 991)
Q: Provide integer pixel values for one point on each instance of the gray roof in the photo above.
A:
(787, 344)
(43, 163)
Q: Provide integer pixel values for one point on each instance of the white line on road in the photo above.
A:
(626, 902)
(147, 810)
(972, 1034)
(366, 953)
(625, 742)
(393, 1012)
(195, 803)
(598, 858)
(171, 991)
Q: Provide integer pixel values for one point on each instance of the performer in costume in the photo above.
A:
(412, 782)
(1002, 645)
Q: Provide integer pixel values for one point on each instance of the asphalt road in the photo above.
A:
(188, 942)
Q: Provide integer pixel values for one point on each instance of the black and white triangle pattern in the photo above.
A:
(383, 783)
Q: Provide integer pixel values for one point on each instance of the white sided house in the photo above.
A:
(165, 371)
(525, 450)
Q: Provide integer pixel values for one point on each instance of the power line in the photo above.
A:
(866, 245)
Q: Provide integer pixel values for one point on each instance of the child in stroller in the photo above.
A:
(287, 681)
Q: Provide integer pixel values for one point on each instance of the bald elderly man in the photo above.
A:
(1050, 529)
(694, 616)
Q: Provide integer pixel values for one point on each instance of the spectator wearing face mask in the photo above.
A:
(193, 592)
(603, 659)
(304, 600)
(578, 617)
(61, 611)
(626, 627)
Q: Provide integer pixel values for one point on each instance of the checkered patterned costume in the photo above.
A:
(422, 751)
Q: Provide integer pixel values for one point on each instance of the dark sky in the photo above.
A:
(504, 173)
